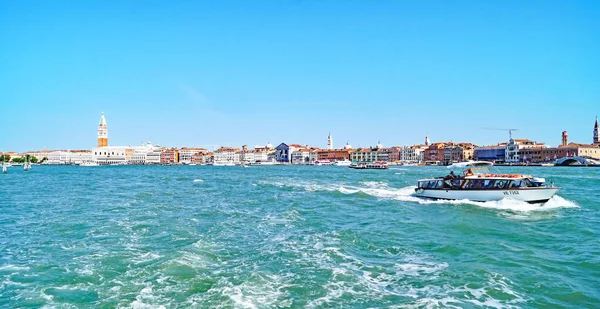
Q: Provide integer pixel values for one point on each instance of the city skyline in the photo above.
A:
(239, 73)
(102, 141)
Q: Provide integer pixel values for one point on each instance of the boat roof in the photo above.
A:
(470, 164)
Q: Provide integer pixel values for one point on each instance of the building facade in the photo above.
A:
(226, 155)
(333, 154)
(69, 157)
(169, 156)
(186, 153)
(495, 153)
(435, 152)
(112, 155)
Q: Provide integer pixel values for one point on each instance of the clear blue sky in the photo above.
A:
(184, 73)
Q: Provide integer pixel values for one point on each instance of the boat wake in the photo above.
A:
(382, 190)
(198, 180)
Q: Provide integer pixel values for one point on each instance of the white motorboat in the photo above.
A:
(266, 163)
(323, 162)
(89, 163)
(377, 165)
(342, 163)
(478, 184)
(227, 163)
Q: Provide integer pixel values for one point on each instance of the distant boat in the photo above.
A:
(377, 165)
(89, 163)
(4, 167)
(342, 163)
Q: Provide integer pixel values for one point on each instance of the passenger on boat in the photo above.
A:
(469, 172)
(450, 176)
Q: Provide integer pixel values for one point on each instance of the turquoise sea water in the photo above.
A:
(289, 237)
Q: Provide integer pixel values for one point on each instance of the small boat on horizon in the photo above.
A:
(376, 165)
(344, 162)
(89, 163)
(478, 184)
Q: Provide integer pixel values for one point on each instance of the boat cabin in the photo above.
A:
(477, 184)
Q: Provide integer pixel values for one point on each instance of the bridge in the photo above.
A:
(576, 161)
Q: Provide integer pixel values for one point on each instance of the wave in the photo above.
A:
(198, 180)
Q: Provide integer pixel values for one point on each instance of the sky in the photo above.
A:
(193, 73)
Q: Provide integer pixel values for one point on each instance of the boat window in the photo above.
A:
(473, 184)
(528, 183)
(438, 184)
(456, 182)
(500, 184)
(488, 183)
(516, 184)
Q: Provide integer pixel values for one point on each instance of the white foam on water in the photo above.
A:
(145, 257)
(198, 180)
(13, 268)
(260, 291)
(143, 298)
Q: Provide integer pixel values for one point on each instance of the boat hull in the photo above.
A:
(529, 195)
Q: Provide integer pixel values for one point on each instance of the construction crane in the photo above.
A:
(499, 129)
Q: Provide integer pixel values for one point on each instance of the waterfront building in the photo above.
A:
(153, 156)
(333, 154)
(394, 153)
(260, 155)
(69, 157)
(169, 156)
(313, 156)
(435, 152)
(112, 154)
(264, 153)
(145, 154)
(301, 156)
(512, 154)
(413, 154)
(102, 132)
(372, 154)
(247, 156)
(225, 155)
(186, 153)
(283, 152)
(39, 154)
(202, 158)
(458, 153)
(580, 150)
(494, 153)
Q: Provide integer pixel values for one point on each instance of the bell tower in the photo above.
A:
(596, 133)
(565, 138)
(329, 142)
(102, 132)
